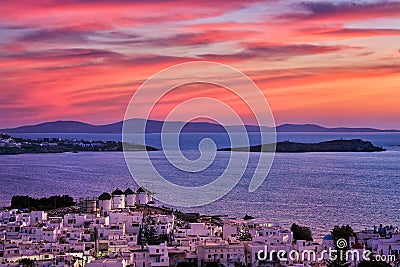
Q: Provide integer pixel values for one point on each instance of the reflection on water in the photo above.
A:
(315, 189)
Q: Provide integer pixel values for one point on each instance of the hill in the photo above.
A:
(154, 126)
(317, 128)
(353, 145)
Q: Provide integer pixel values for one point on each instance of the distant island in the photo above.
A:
(11, 145)
(154, 126)
(353, 145)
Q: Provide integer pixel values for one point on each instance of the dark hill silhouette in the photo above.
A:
(353, 145)
(154, 126)
(317, 128)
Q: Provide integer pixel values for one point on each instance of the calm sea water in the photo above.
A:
(315, 189)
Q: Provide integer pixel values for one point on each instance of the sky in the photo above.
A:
(333, 63)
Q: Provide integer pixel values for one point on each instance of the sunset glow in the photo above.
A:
(333, 63)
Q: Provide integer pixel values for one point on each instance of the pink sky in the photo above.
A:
(334, 63)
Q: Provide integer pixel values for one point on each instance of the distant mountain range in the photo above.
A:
(154, 126)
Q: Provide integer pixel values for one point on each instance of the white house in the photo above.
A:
(221, 252)
(38, 217)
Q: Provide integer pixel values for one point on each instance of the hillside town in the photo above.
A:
(16, 145)
(126, 228)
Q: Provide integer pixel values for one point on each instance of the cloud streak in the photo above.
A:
(274, 52)
(82, 60)
(343, 10)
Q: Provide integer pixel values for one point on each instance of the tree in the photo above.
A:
(248, 217)
(152, 236)
(244, 234)
(142, 235)
(342, 232)
(341, 236)
(338, 261)
(25, 262)
(43, 203)
(373, 263)
(213, 264)
(185, 264)
(301, 232)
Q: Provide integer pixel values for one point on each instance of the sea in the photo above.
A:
(319, 190)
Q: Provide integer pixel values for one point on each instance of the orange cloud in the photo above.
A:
(315, 61)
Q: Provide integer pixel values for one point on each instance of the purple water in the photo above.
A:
(315, 189)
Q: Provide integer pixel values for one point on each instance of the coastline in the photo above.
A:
(11, 145)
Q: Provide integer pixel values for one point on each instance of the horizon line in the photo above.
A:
(230, 125)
